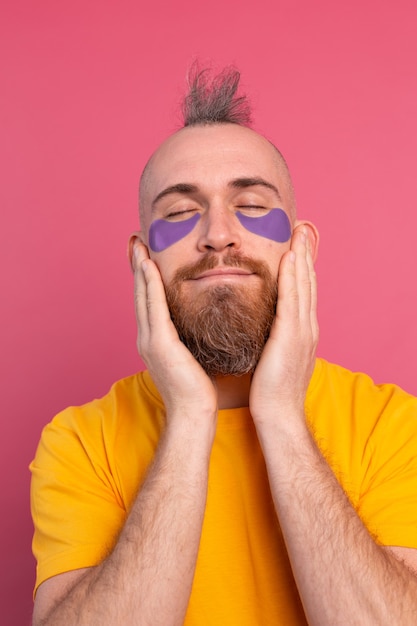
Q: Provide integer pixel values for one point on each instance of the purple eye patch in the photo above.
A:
(163, 234)
(275, 225)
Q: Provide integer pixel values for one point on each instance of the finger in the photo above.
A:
(287, 305)
(299, 245)
(158, 314)
(313, 304)
(140, 254)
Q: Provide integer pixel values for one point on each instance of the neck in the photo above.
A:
(233, 391)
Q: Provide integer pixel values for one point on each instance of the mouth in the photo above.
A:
(224, 273)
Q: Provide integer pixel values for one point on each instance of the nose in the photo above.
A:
(219, 229)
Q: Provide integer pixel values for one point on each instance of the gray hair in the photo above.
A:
(213, 99)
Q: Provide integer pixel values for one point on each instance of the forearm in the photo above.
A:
(148, 576)
(342, 575)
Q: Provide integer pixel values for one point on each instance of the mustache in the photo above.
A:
(232, 258)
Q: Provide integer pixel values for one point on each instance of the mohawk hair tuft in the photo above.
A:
(213, 99)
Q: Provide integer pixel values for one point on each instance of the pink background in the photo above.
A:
(88, 89)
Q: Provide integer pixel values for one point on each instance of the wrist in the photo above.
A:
(281, 429)
(191, 427)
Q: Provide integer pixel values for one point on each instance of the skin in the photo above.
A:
(148, 577)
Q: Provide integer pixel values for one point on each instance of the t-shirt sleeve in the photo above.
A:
(388, 493)
(368, 435)
(76, 506)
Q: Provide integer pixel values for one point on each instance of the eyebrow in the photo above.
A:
(183, 188)
(243, 183)
(237, 183)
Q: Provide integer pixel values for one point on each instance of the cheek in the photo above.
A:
(163, 234)
(275, 225)
(166, 265)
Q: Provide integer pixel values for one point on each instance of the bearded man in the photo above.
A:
(239, 479)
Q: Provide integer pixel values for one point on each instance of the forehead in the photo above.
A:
(210, 156)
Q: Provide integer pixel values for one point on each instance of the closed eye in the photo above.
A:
(176, 216)
(248, 209)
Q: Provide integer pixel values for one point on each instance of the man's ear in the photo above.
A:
(312, 234)
(137, 235)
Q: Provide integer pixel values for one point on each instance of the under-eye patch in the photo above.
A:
(163, 234)
(274, 225)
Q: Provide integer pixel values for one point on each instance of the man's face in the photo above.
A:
(220, 274)
(203, 166)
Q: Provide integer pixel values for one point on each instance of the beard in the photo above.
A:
(225, 327)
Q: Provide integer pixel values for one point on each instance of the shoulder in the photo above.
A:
(128, 404)
(333, 384)
(356, 422)
(106, 434)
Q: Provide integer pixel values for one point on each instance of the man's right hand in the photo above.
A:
(185, 388)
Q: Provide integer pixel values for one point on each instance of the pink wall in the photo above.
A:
(88, 89)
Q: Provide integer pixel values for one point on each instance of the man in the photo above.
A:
(239, 480)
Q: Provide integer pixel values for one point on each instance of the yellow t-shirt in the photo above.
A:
(91, 460)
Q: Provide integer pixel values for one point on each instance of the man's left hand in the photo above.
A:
(281, 378)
